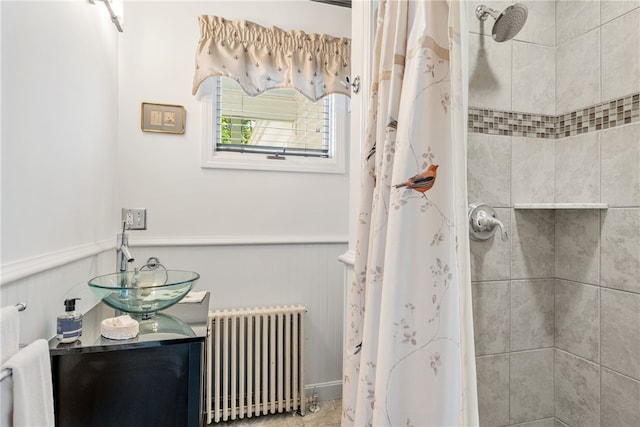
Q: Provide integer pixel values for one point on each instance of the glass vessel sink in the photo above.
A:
(143, 292)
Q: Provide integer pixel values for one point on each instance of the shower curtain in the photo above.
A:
(409, 348)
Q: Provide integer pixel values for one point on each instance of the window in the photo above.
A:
(278, 130)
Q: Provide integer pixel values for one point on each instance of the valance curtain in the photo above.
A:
(260, 58)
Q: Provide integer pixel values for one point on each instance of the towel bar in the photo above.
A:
(6, 372)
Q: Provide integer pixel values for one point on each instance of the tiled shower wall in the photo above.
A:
(555, 117)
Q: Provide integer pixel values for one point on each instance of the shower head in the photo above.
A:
(508, 23)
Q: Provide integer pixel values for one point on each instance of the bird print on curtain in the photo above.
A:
(422, 182)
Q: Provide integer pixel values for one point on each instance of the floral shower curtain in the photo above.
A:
(409, 350)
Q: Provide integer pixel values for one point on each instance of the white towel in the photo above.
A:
(9, 332)
(32, 386)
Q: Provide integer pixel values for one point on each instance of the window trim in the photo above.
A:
(211, 158)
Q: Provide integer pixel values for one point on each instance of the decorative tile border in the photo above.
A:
(605, 115)
(510, 123)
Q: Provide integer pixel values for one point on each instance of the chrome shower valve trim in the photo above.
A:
(483, 221)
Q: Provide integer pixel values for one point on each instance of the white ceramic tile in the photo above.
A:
(489, 73)
(620, 249)
(577, 245)
(534, 74)
(575, 18)
(493, 389)
(491, 317)
(577, 320)
(577, 169)
(611, 9)
(532, 170)
(547, 422)
(578, 73)
(620, 404)
(541, 23)
(577, 390)
(621, 56)
(620, 335)
(532, 314)
(577, 177)
(491, 259)
(620, 157)
(532, 251)
(489, 169)
(531, 385)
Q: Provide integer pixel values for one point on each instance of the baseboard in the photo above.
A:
(326, 391)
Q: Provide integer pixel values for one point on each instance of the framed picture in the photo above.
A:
(164, 118)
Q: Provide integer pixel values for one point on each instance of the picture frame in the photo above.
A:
(162, 118)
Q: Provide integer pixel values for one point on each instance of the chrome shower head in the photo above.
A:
(508, 23)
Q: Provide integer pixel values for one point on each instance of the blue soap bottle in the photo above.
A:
(70, 324)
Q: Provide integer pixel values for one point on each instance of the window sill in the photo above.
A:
(257, 162)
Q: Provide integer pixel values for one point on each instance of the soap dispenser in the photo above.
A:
(69, 324)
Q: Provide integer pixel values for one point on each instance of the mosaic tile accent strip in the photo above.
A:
(511, 123)
(605, 115)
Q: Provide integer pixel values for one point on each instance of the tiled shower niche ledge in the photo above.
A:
(561, 206)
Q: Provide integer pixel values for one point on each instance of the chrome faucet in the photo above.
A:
(123, 255)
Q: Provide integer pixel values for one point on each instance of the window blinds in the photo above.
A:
(279, 123)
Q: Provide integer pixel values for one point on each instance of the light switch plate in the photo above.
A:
(134, 218)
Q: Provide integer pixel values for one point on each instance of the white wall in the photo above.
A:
(161, 172)
(59, 123)
(59, 102)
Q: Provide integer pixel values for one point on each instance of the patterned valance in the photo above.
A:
(260, 58)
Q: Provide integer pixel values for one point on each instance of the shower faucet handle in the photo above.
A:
(483, 221)
(490, 223)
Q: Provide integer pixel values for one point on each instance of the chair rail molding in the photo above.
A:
(237, 240)
(20, 269)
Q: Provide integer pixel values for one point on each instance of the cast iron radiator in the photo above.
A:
(255, 362)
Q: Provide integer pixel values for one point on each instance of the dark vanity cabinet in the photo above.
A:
(155, 379)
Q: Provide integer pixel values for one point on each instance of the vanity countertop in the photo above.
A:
(184, 322)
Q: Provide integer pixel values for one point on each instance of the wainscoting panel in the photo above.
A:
(254, 275)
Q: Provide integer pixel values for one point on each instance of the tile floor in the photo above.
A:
(328, 416)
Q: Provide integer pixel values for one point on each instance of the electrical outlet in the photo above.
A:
(134, 219)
